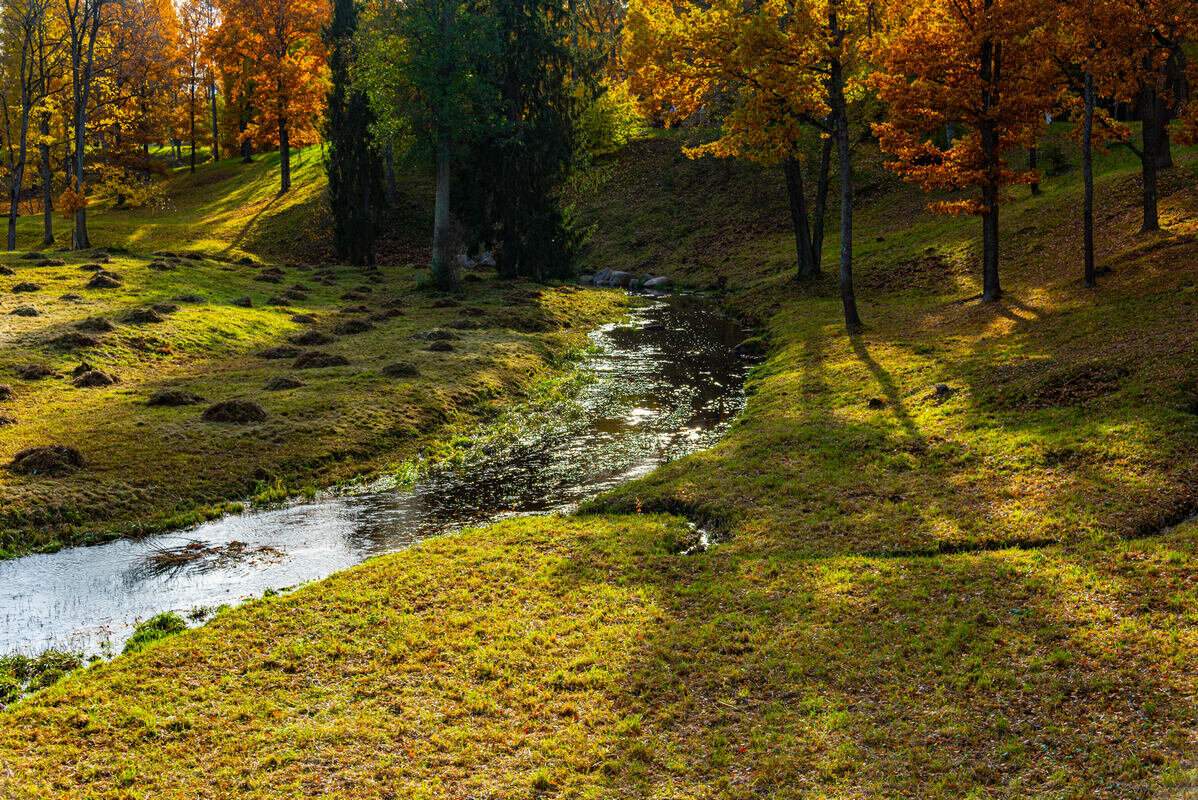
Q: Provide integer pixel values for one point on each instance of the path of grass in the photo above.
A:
(968, 592)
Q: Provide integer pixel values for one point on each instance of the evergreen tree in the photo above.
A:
(353, 163)
(519, 164)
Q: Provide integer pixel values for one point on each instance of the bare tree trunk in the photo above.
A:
(808, 266)
(840, 116)
(79, 237)
(1148, 159)
(991, 67)
(47, 189)
(390, 173)
(18, 168)
(443, 272)
(1088, 178)
(14, 206)
(192, 127)
(821, 199)
(215, 127)
(1032, 158)
(284, 157)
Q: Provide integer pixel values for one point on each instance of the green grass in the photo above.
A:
(152, 468)
(971, 595)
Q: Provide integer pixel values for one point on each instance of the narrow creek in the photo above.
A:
(664, 384)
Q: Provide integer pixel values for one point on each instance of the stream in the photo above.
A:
(663, 384)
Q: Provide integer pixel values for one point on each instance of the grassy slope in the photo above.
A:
(810, 655)
(150, 468)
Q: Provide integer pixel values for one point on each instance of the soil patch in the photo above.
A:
(353, 326)
(94, 378)
(401, 370)
(74, 340)
(103, 280)
(54, 460)
(34, 372)
(313, 338)
(144, 316)
(278, 352)
(283, 383)
(235, 411)
(95, 325)
(316, 359)
(173, 397)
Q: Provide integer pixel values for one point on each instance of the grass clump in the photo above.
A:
(154, 629)
(21, 674)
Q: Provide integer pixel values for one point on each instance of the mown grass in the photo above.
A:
(960, 593)
(150, 468)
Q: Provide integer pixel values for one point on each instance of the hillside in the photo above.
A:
(223, 312)
(981, 590)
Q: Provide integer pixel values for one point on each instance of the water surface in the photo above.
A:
(664, 385)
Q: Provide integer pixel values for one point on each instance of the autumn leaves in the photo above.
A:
(991, 71)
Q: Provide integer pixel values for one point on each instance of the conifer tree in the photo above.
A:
(352, 161)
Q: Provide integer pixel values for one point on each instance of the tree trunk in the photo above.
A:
(191, 116)
(1149, 155)
(18, 173)
(79, 238)
(991, 67)
(444, 270)
(442, 266)
(284, 157)
(950, 131)
(1032, 159)
(14, 207)
(1088, 179)
(852, 320)
(368, 217)
(47, 176)
(991, 290)
(821, 199)
(390, 173)
(808, 266)
(215, 128)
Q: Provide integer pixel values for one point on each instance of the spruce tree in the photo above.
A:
(353, 163)
(519, 163)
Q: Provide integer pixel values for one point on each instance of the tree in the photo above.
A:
(521, 156)
(279, 66)
(352, 161)
(24, 26)
(1087, 43)
(975, 63)
(84, 19)
(1154, 36)
(789, 69)
(418, 75)
(192, 32)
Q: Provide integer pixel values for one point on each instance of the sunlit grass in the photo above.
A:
(972, 592)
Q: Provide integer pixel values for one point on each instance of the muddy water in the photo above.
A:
(665, 385)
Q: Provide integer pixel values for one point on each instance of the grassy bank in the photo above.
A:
(968, 591)
(199, 321)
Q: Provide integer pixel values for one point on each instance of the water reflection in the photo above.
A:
(666, 385)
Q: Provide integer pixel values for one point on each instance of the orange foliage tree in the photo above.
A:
(977, 62)
(787, 67)
(275, 61)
